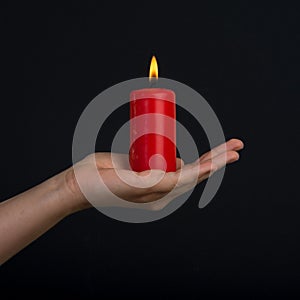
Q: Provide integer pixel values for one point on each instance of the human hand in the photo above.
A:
(105, 179)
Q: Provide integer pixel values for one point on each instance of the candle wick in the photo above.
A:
(153, 82)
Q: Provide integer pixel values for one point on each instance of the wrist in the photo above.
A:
(68, 193)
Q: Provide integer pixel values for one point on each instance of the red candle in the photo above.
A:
(152, 129)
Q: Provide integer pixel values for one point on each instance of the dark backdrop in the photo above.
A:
(243, 57)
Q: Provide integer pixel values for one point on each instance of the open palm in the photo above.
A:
(105, 179)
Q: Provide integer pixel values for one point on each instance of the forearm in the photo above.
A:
(27, 216)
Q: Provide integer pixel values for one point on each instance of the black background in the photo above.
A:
(243, 57)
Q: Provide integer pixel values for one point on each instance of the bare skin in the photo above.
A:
(28, 215)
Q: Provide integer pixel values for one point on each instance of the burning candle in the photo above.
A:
(152, 127)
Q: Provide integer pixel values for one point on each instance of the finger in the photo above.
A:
(192, 174)
(233, 144)
(221, 160)
(182, 180)
(216, 163)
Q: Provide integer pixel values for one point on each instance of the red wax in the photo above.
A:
(152, 130)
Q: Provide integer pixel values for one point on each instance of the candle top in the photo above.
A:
(156, 93)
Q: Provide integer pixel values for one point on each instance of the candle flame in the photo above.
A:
(153, 72)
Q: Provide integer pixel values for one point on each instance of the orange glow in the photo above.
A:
(153, 72)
